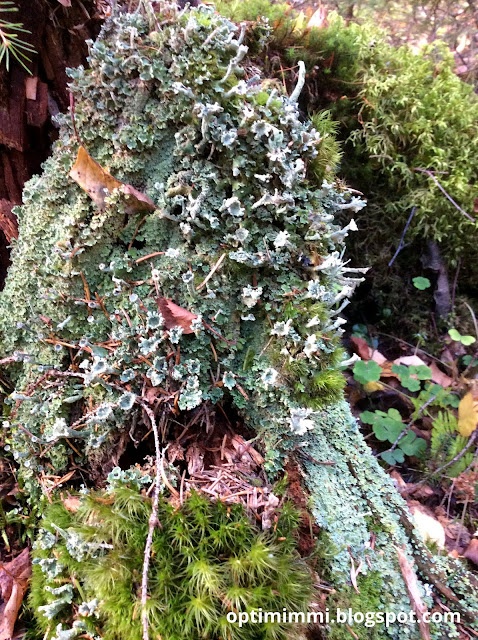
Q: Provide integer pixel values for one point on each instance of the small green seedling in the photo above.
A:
(421, 283)
(457, 337)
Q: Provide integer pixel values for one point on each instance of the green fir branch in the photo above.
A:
(11, 44)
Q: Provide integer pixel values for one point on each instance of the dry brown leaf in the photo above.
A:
(411, 582)
(471, 553)
(361, 348)
(397, 478)
(387, 370)
(423, 491)
(439, 377)
(72, 503)
(175, 316)
(467, 415)
(98, 184)
(14, 577)
(31, 84)
(378, 357)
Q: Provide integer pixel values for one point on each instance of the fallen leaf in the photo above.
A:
(439, 377)
(65, 3)
(14, 577)
(31, 84)
(411, 582)
(471, 552)
(423, 491)
(362, 348)
(98, 184)
(458, 538)
(467, 415)
(72, 503)
(398, 480)
(427, 525)
(410, 361)
(378, 357)
(175, 316)
(370, 387)
(387, 370)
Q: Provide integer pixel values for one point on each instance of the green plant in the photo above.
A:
(412, 376)
(447, 443)
(421, 283)
(390, 427)
(465, 340)
(365, 372)
(208, 559)
(11, 44)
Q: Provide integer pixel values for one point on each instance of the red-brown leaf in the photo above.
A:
(175, 316)
(14, 577)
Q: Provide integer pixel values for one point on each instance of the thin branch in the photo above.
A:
(153, 522)
(401, 245)
(430, 174)
(212, 272)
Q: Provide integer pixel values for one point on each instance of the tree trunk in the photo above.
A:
(28, 101)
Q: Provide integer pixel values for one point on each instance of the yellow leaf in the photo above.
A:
(467, 415)
(98, 184)
(370, 387)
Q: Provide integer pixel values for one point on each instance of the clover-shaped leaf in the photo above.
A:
(365, 372)
(421, 283)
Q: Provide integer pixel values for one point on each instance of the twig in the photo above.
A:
(153, 522)
(410, 424)
(212, 272)
(401, 245)
(455, 282)
(430, 174)
(150, 255)
(473, 317)
(72, 110)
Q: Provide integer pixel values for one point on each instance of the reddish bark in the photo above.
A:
(27, 102)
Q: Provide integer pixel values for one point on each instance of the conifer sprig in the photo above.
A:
(11, 44)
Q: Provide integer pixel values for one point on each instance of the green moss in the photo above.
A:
(207, 559)
(368, 599)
